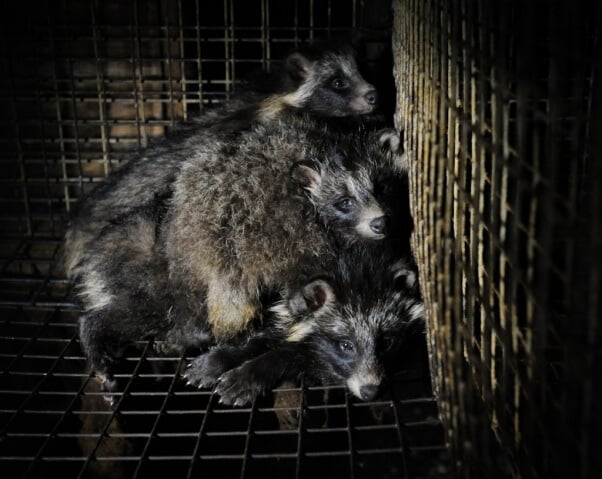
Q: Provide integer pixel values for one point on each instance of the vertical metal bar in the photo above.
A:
(229, 38)
(199, 57)
(349, 437)
(43, 140)
(227, 79)
(197, 446)
(263, 38)
(329, 17)
(248, 435)
(74, 119)
(183, 80)
(300, 426)
(152, 433)
(501, 127)
(137, 78)
(59, 116)
(232, 42)
(101, 93)
(400, 436)
(296, 23)
(168, 62)
(265, 35)
(489, 85)
(311, 20)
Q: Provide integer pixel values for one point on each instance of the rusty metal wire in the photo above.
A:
(500, 103)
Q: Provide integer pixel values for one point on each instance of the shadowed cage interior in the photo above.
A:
(501, 112)
(501, 104)
(84, 84)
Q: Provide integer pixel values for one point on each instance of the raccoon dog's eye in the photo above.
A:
(345, 205)
(339, 84)
(346, 345)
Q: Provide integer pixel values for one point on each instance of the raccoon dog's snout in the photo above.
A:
(379, 225)
(368, 392)
(366, 100)
(371, 97)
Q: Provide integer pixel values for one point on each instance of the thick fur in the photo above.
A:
(322, 80)
(240, 223)
(246, 218)
(124, 288)
(340, 328)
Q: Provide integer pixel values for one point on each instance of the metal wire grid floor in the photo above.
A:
(54, 420)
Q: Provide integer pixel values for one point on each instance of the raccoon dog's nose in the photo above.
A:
(379, 225)
(368, 392)
(371, 97)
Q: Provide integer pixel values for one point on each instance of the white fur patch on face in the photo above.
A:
(280, 309)
(299, 97)
(300, 331)
(366, 216)
(360, 379)
(360, 105)
(272, 106)
(94, 289)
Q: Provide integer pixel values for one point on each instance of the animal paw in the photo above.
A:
(390, 139)
(205, 370)
(238, 387)
(164, 348)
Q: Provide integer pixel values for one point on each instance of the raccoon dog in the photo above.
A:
(239, 225)
(243, 219)
(338, 328)
(321, 80)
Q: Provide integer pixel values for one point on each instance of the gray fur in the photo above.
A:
(247, 217)
(302, 85)
(346, 327)
(240, 224)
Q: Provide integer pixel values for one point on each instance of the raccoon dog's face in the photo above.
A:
(343, 199)
(329, 83)
(350, 335)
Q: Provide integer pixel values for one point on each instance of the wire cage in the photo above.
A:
(501, 107)
(85, 84)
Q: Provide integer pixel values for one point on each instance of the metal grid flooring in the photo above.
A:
(55, 421)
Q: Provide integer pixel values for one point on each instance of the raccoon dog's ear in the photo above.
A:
(307, 174)
(404, 277)
(298, 66)
(312, 297)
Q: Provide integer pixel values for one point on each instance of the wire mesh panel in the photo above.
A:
(85, 84)
(500, 103)
(55, 421)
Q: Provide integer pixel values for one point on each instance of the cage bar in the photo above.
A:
(497, 104)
